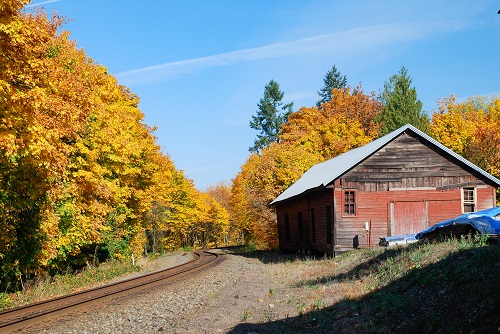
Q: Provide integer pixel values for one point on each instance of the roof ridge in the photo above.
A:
(346, 161)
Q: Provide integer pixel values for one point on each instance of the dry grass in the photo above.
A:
(447, 287)
(47, 287)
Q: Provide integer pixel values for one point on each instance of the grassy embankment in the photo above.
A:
(446, 287)
(49, 287)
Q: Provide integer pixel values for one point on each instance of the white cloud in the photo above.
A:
(340, 43)
(41, 3)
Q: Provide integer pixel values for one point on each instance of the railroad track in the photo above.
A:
(25, 317)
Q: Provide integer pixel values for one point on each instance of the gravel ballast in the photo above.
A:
(238, 290)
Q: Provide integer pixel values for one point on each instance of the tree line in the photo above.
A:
(290, 142)
(82, 179)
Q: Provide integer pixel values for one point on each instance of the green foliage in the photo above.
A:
(4, 301)
(248, 248)
(246, 314)
(333, 80)
(271, 115)
(81, 176)
(401, 104)
(52, 51)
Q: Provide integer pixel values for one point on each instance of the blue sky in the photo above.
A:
(200, 67)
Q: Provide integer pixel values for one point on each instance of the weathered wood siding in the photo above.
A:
(403, 188)
(318, 202)
(406, 163)
(408, 171)
(376, 207)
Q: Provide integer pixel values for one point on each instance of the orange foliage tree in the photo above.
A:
(310, 136)
(220, 192)
(343, 123)
(260, 180)
(485, 149)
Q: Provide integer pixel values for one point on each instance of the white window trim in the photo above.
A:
(462, 200)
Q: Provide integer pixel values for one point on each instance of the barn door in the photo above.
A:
(408, 217)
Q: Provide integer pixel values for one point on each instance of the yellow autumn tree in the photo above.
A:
(82, 175)
(471, 129)
(211, 228)
(455, 124)
(105, 190)
(181, 216)
(41, 116)
(221, 193)
(240, 211)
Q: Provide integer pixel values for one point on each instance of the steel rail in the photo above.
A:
(29, 315)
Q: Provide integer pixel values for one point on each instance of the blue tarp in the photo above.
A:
(483, 222)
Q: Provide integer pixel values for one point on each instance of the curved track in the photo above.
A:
(45, 311)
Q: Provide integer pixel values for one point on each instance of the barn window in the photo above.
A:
(313, 226)
(349, 203)
(301, 226)
(287, 228)
(469, 200)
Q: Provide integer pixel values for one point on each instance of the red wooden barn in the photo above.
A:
(398, 184)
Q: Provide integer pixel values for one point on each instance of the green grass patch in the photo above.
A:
(439, 287)
(47, 287)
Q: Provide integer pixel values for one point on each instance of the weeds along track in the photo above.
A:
(36, 314)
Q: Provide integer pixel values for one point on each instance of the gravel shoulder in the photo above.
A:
(239, 290)
(367, 291)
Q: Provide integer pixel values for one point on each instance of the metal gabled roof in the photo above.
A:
(322, 174)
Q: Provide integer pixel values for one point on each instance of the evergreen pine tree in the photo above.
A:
(400, 104)
(333, 79)
(271, 115)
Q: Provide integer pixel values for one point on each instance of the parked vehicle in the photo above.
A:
(483, 222)
(397, 240)
(486, 222)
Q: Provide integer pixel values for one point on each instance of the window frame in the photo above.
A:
(354, 203)
(466, 201)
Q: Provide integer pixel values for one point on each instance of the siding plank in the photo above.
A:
(406, 173)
